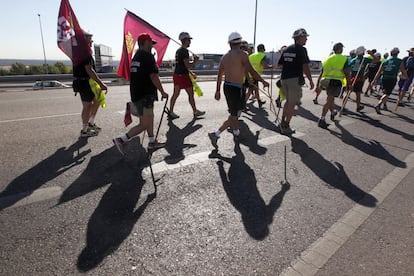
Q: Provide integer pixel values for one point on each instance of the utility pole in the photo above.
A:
(255, 20)
(43, 44)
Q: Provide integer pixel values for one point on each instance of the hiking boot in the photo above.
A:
(173, 116)
(322, 124)
(199, 113)
(155, 145)
(88, 133)
(261, 103)
(315, 101)
(278, 103)
(120, 144)
(94, 127)
(213, 139)
(360, 108)
(333, 114)
(377, 109)
(285, 129)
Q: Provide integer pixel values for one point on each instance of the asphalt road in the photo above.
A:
(70, 206)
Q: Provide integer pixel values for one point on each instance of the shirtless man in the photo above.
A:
(233, 65)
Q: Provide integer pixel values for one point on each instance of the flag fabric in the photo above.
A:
(133, 27)
(70, 36)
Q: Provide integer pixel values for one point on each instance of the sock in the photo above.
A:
(92, 119)
(84, 127)
(218, 132)
(323, 118)
(125, 137)
(236, 132)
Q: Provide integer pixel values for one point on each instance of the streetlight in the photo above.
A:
(43, 44)
(255, 20)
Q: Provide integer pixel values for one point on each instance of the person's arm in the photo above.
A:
(157, 83)
(307, 72)
(92, 74)
(403, 71)
(317, 88)
(347, 72)
(219, 80)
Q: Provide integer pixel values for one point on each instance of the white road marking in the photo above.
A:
(41, 117)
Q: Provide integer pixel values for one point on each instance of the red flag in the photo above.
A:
(70, 36)
(133, 27)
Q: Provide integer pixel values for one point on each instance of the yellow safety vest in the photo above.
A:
(333, 67)
(256, 60)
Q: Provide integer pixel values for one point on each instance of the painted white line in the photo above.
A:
(30, 197)
(319, 253)
(42, 117)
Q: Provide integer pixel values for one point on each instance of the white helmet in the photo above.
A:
(235, 37)
(360, 50)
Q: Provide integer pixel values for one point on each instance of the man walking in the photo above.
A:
(334, 69)
(90, 105)
(259, 63)
(234, 65)
(181, 76)
(144, 83)
(294, 62)
(389, 70)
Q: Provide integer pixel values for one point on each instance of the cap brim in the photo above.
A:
(154, 42)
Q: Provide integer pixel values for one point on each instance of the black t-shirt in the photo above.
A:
(292, 60)
(180, 55)
(79, 70)
(142, 66)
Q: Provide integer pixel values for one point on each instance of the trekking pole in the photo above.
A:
(285, 170)
(349, 91)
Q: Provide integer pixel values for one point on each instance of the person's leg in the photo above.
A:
(191, 100)
(174, 97)
(85, 114)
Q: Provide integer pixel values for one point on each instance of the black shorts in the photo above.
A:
(388, 85)
(84, 89)
(233, 98)
(357, 88)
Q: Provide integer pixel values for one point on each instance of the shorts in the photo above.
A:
(292, 90)
(141, 110)
(388, 85)
(182, 81)
(82, 87)
(407, 83)
(334, 88)
(357, 88)
(233, 98)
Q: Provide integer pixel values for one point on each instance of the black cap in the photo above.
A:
(338, 46)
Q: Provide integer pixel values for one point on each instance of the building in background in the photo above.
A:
(103, 58)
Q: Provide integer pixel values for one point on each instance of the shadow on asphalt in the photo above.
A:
(240, 185)
(175, 145)
(46, 170)
(332, 174)
(115, 216)
(373, 147)
(259, 116)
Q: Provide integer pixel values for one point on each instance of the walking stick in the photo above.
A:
(150, 152)
(348, 92)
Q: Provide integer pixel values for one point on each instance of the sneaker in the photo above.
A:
(315, 101)
(261, 103)
(173, 116)
(322, 124)
(199, 113)
(155, 145)
(377, 109)
(360, 108)
(120, 144)
(94, 127)
(213, 138)
(88, 133)
(333, 114)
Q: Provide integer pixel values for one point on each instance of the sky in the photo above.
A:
(376, 24)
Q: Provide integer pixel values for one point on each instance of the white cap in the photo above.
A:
(299, 32)
(235, 37)
(360, 50)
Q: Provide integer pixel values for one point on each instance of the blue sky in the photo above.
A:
(374, 24)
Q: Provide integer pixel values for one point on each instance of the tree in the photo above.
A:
(18, 69)
(62, 68)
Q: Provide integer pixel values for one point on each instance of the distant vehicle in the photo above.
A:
(48, 85)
